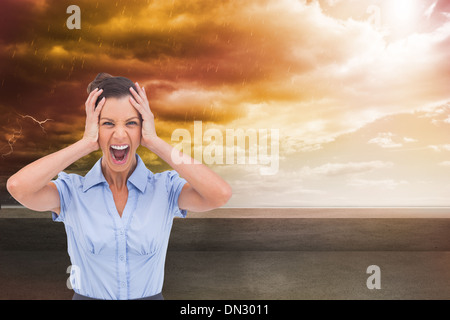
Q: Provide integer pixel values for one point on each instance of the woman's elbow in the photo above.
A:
(192, 200)
(224, 195)
(13, 187)
(17, 188)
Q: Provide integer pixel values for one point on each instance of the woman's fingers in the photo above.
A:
(89, 99)
(136, 96)
(92, 117)
(90, 102)
(138, 107)
(140, 102)
(141, 92)
(100, 106)
(137, 101)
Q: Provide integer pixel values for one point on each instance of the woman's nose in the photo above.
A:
(120, 132)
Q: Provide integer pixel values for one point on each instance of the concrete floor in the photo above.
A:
(295, 258)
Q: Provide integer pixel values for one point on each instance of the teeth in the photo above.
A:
(120, 147)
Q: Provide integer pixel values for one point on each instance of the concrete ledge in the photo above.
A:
(259, 234)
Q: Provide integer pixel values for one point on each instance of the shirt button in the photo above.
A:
(121, 257)
(123, 284)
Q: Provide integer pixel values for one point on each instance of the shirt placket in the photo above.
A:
(121, 245)
(123, 265)
(122, 262)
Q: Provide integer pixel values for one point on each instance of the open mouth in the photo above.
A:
(119, 153)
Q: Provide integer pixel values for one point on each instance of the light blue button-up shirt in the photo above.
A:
(117, 257)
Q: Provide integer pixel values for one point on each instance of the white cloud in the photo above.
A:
(384, 140)
(406, 139)
(335, 169)
(439, 148)
(384, 183)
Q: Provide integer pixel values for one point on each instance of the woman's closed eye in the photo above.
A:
(107, 123)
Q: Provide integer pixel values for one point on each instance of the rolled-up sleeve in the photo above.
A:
(63, 184)
(174, 184)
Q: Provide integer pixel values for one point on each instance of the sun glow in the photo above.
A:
(402, 15)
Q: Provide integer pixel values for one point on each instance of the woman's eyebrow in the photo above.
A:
(104, 118)
(133, 118)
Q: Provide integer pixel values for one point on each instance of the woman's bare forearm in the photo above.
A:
(39, 173)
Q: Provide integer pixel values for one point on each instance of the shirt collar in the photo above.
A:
(140, 175)
(138, 178)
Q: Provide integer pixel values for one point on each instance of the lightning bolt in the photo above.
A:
(40, 123)
(17, 133)
(12, 139)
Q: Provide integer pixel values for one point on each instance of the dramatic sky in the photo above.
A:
(356, 92)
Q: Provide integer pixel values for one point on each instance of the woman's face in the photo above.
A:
(119, 134)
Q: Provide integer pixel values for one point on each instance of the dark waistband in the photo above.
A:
(158, 296)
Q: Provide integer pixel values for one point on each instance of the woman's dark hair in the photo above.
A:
(113, 87)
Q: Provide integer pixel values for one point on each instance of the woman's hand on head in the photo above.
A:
(92, 118)
(140, 102)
